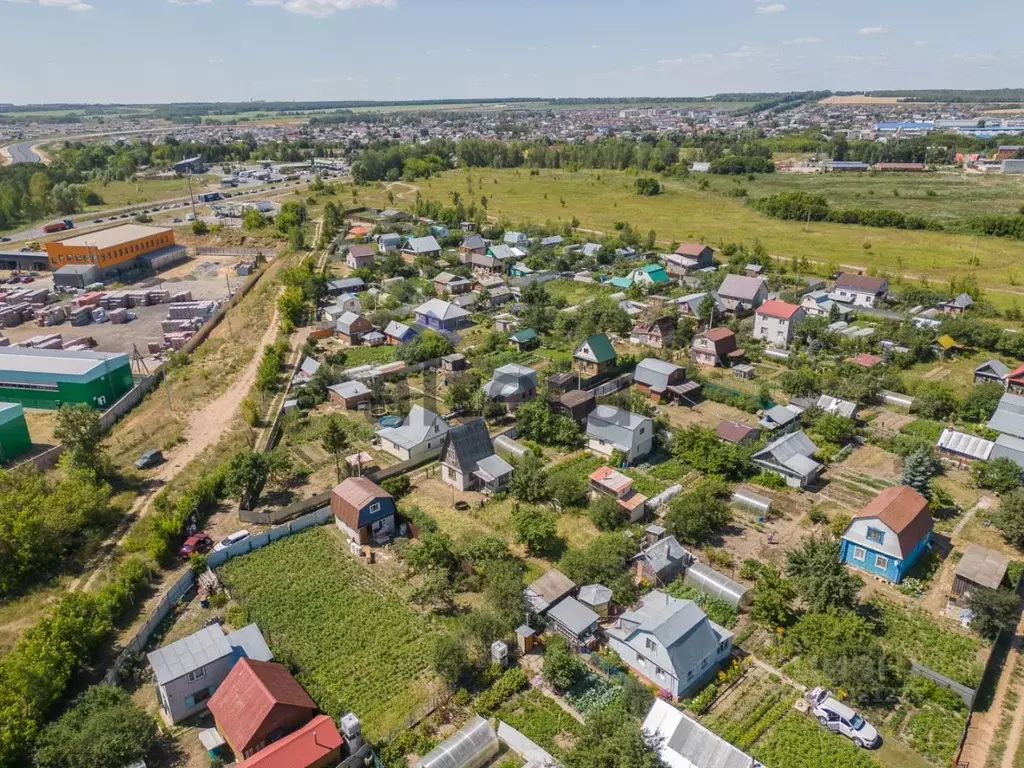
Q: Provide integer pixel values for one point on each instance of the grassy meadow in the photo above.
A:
(684, 212)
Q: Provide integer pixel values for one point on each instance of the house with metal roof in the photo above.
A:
(360, 256)
(524, 339)
(647, 276)
(661, 380)
(656, 333)
(452, 284)
(685, 743)
(440, 315)
(516, 240)
(946, 346)
(594, 356)
(421, 435)
(389, 241)
(742, 294)
(662, 561)
(574, 621)
(258, 703)
(888, 536)
(363, 510)
(780, 419)
(345, 285)
(792, 457)
(317, 744)
(398, 333)
(715, 347)
(421, 246)
(820, 304)
(512, 384)
(597, 598)
(351, 328)
(957, 305)
(775, 322)
(551, 241)
(469, 462)
(1009, 416)
(189, 671)
(670, 643)
(605, 481)
(611, 429)
(992, 370)
(689, 258)
(352, 394)
(472, 243)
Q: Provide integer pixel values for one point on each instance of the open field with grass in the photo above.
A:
(118, 193)
(356, 644)
(945, 196)
(683, 212)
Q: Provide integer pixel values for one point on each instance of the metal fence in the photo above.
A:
(176, 591)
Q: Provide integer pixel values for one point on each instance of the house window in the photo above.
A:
(196, 674)
(876, 535)
(375, 508)
(881, 563)
(641, 661)
(651, 645)
(451, 473)
(659, 671)
(859, 554)
(704, 662)
(689, 674)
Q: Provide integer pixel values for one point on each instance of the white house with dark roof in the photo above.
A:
(189, 671)
(670, 642)
(611, 429)
(468, 460)
(421, 435)
(742, 294)
(859, 290)
(791, 456)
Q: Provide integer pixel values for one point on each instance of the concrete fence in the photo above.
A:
(261, 540)
(250, 253)
(967, 694)
(285, 513)
(175, 592)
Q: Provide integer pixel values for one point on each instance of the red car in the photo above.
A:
(200, 542)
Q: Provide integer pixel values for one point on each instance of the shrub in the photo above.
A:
(397, 486)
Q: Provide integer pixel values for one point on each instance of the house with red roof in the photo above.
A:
(605, 481)
(317, 744)
(775, 322)
(888, 536)
(714, 347)
(259, 703)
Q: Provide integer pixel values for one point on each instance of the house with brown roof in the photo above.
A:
(360, 256)
(688, 258)
(859, 290)
(736, 432)
(576, 404)
(775, 322)
(865, 360)
(363, 510)
(656, 333)
(714, 347)
(888, 536)
(258, 703)
(317, 744)
(605, 481)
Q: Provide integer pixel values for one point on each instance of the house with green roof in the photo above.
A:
(645, 276)
(524, 339)
(594, 356)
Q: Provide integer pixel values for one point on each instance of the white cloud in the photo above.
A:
(872, 30)
(773, 8)
(190, 2)
(802, 41)
(595, 46)
(974, 56)
(920, 43)
(70, 5)
(693, 58)
(321, 9)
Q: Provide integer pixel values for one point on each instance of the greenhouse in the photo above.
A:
(472, 747)
(715, 584)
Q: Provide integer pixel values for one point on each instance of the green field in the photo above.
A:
(357, 646)
(943, 195)
(683, 212)
(120, 193)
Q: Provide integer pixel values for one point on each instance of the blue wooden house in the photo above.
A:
(441, 315)
(889, 534)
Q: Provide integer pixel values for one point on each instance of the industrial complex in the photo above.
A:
(128, 246)
(48, 378)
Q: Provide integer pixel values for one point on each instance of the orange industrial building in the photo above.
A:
(109, 248)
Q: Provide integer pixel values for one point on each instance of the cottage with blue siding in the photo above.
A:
(887, 537)
(363, 510)
(440, 315)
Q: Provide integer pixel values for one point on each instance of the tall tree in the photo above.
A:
(918, 470)
(820, 576)
(335, 442)
(78, 428)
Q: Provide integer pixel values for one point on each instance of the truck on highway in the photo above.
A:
(208, 197)
(58, 226)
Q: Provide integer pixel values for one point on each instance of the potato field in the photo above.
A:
(356, 645)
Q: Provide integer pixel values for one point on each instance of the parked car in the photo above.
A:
(840, 718)
(228, 541)
(199, 542)
(5, 239)
(149, 459)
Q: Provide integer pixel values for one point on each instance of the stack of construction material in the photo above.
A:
(78, 345)
(190, 309)
(114, 300)
(47, 341)
(138, 298)
(82, 315)
(158, 297)
(91, 299)
(177, 340)
(99, 315)
(175, 326)
(38, 296)
(15, 314)
(181, 296)
(155, 347)
(118, 315)
(51, 316)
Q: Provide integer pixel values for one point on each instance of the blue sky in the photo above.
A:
(205, 50)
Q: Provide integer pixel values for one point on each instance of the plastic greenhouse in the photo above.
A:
(715, 584)
(471, 747)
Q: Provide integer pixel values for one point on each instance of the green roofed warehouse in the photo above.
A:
(14, 439)
(48, 378)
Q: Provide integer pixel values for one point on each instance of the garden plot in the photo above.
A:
(540, 719)
(356, 645)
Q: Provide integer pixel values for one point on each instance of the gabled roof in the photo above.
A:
(501, 252)
(442, 310)
(1009, 416)
(526, 334)
(741, 287)
(448, 278)
(982, 566)
(691, 249)
(655, 373)
(734, 431)
(509, 380)
(792, 451)
(426, 244)
(346, 321)
(252, 698)
(720, 336)
(780, 309)
(189, 654)
(904, 511)
(417, 428)
(616, 426)
(685, 743)
(309, 745)
(664, 554)
(361, 251)
(471, 443)
(359, 491)
(861, 283)
(573, 615)
(963, 301)
(947, 342)
(600, 346)
(548, 589)
(995, 367)
(397, 330)
(473, 242)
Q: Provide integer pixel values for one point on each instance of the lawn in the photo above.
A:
(355, 643)
(120, 193)
(369, 355)
(946, 195)
(575, 293)
(684, 212)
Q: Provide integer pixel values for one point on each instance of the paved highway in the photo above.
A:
(22, 153)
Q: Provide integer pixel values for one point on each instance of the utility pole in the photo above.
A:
(167, 388)
(227, 312)
(191, 199)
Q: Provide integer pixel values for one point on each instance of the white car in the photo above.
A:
(840, 718)
(227, 541)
